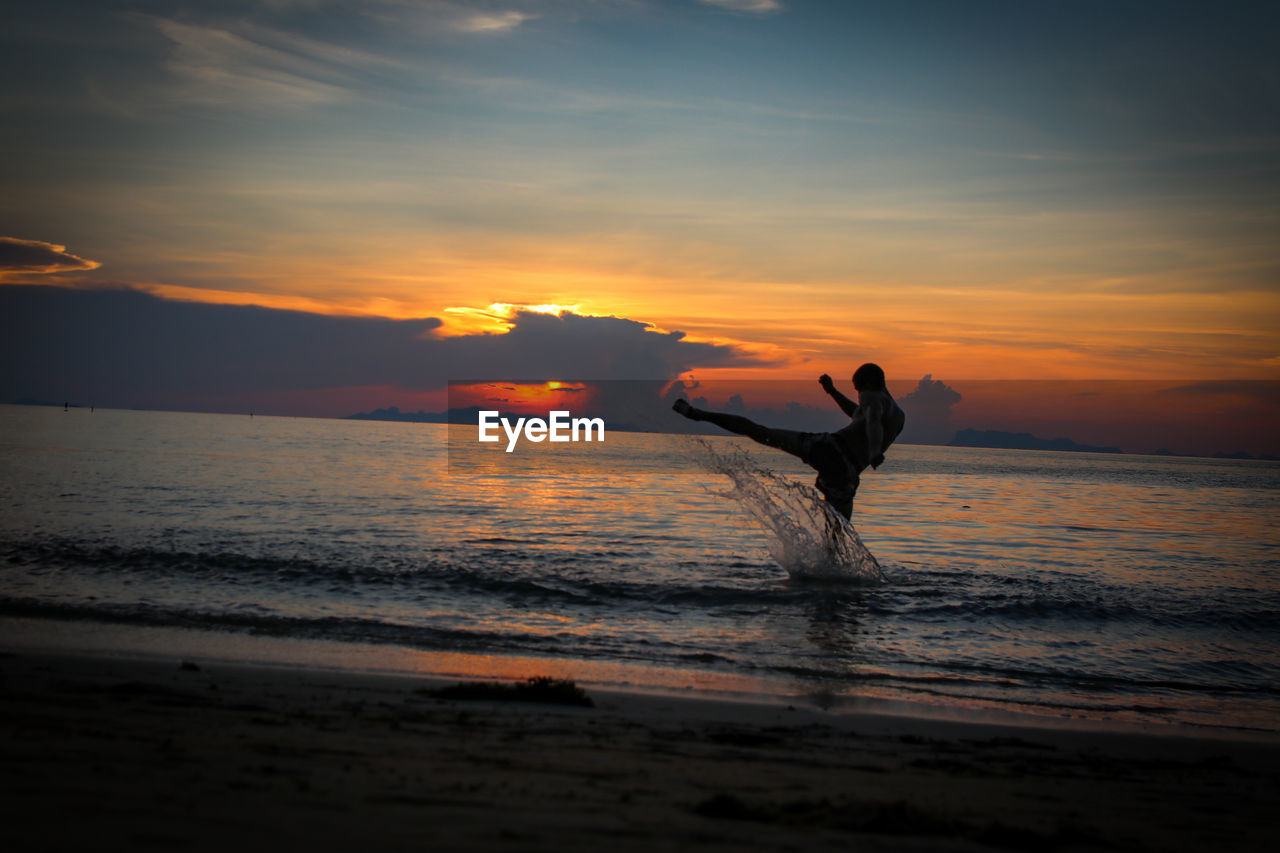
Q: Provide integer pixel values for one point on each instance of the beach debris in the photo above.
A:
(540, 688)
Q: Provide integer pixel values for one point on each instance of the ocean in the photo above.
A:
(1064, 586)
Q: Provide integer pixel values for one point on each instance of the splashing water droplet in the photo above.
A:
(805, 536)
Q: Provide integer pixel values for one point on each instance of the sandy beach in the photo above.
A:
(174, 754)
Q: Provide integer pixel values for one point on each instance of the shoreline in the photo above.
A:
(43, 636)
(156, 752)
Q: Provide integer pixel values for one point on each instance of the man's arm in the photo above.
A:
(876, 408)
(875, 438)
(846, 405)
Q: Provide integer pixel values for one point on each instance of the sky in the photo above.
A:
(763, 188)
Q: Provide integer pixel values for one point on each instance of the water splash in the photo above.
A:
(805, 536)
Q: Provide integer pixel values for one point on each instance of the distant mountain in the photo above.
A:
(1240, 454)
(1022, 441)
(466, 415)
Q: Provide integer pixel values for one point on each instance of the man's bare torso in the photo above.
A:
(877, 413)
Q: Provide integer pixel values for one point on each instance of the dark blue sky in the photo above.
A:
(963, 189)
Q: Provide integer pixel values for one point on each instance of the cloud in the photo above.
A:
(219, 66)
(251, 62)
(127, 348)
(492, 22)
(568, 345)
(758, 7)
(248, 64)
(928, 409)
(26, 257)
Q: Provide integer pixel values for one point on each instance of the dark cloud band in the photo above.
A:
(124, 347)
(37, 257)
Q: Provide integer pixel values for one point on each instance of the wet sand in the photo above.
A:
(140, 754)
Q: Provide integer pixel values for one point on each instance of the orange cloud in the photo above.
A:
(496, 319)
(22, 258)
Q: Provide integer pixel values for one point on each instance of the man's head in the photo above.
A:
(869, 377)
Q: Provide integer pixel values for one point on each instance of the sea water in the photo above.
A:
(1127, 588)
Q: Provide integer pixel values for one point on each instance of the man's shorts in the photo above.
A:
(838, 477)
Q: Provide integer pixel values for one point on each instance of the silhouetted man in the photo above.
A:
(838, 457)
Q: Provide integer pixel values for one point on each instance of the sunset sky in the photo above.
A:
(970, 190)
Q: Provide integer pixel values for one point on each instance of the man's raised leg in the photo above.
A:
(786, 440)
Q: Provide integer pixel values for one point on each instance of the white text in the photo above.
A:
(558, 426)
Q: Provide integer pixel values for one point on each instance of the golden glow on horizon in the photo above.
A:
(801, 302)
(912, 321)
(948, 332)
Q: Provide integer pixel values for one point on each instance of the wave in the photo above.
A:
(1035, 608)
(520, 577)
(529, 578)
(805, 536)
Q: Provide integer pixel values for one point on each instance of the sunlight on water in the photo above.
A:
(1060, 584)
(805, 536)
